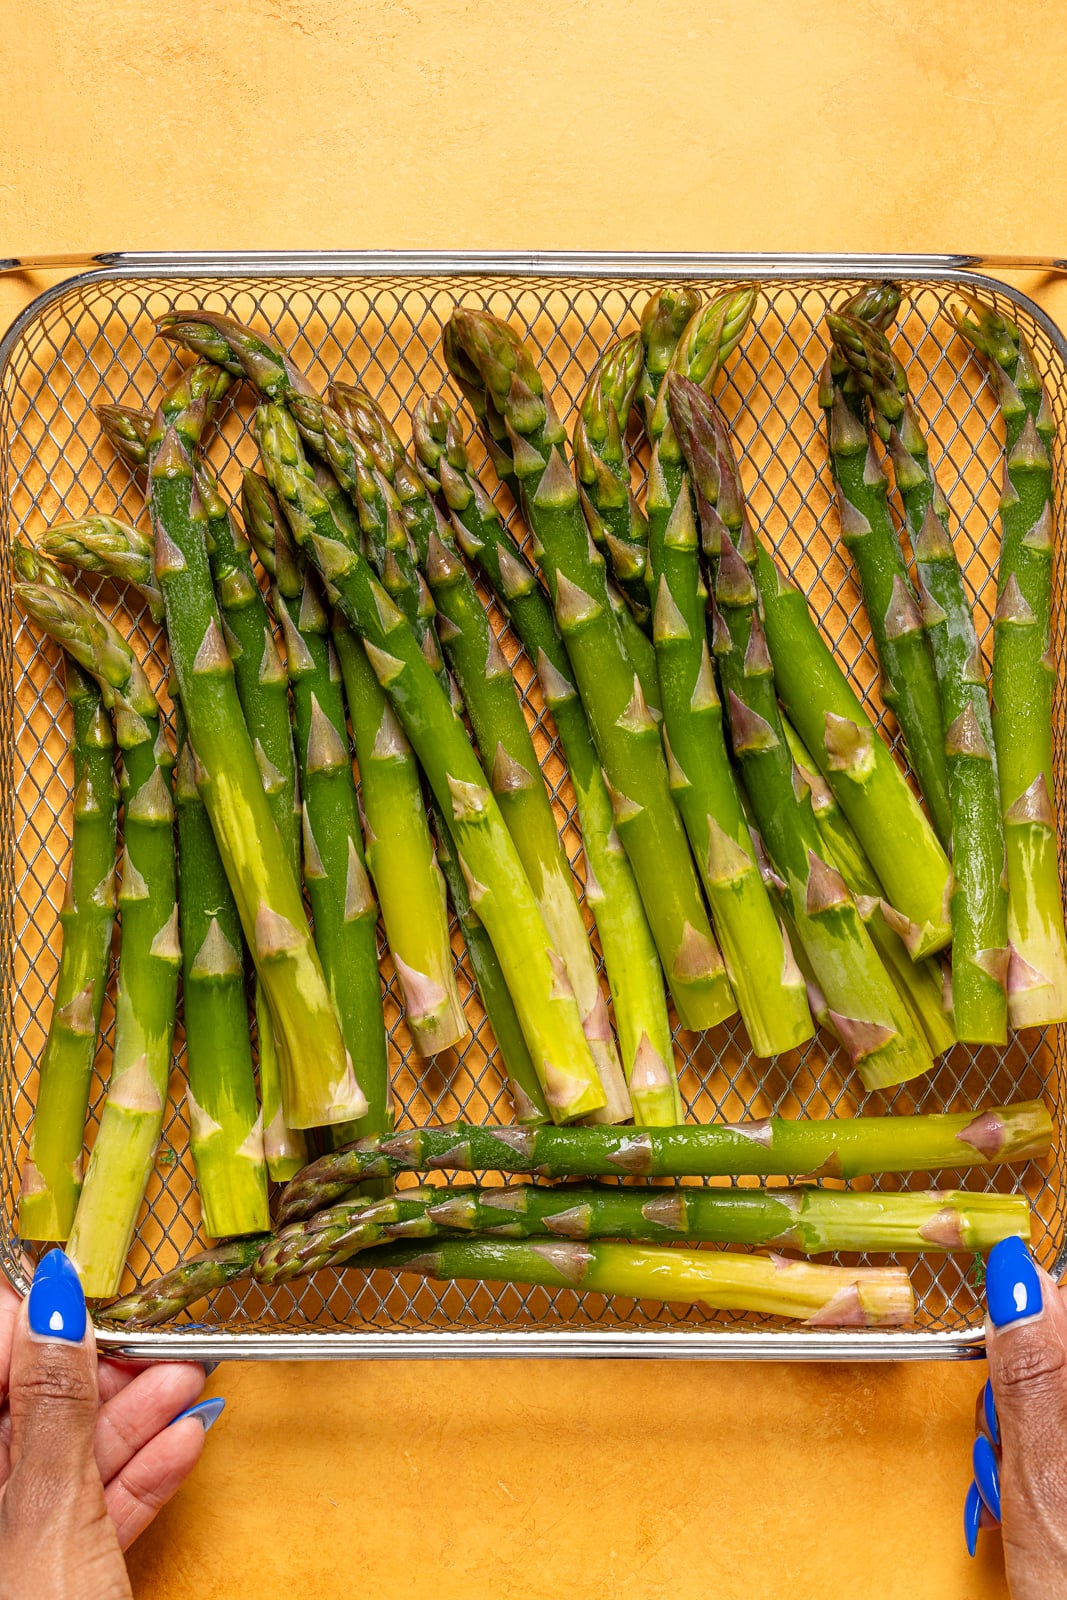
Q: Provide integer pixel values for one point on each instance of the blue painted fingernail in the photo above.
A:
(56, 1302)
(972, 1515)
(206, 1412)
(989, 1410)
(1013, 1287)
(987, 1474)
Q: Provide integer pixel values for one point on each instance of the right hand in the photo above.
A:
(1021, 1452)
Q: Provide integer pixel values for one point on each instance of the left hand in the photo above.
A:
(89, 1450)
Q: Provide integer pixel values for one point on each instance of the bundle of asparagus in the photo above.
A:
(727, 870)
(315, 1232)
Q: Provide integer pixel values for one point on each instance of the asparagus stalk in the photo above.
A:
(818, 1296)
(400, 851)
(909, 681)
(262, 688)
(920, 984)
(626, 940)
(511, 768)
(318, 1081)
(258, 672)
(373, 445)
(765, 978)
(840, 1147)
(615, 520)
(51, 1174)
(146, 1006)
(869, 786)
(526, 1094)
(498, 887)
(810, 1220)
(864, 1008)
(167, 1296)
(335, 871)
(1024, 674)
(979, 895)
(625, 734)
(225, 1124)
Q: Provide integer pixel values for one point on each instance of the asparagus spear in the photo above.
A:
(373, 446)
(841, 1147)
(625, 733)
(490, 698)
(765, 978)
(666, 315)
(498, 887)
(319, 1084)
(920, 984)
(819, 1296)
(512, 770)
(51, 1175)
(526, 1094)
(615, 520)
(399, 851)
(127, 428)
(1024, 674)
(979, 894)
(626, 940)
(863, 1006)
(399, 848)
(165, 1297)
(146, 1006)
(258, 672)
(810, 1220)
(225, 1124)
(105, 544)
(335, 870)
(909, 682)
(869, 786)
(832, 1295)
(262, 688)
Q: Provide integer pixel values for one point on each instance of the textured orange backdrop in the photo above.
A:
(816, 124)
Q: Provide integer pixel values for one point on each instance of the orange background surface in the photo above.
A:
(819, 125)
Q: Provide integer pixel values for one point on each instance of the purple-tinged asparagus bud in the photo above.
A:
(1034, 806)
(965, 738)
(1012, 606)
(750, 733)
(902, 615)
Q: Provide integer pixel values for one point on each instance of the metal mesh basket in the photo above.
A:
(91, 340)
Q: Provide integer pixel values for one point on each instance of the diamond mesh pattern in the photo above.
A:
(93, 342)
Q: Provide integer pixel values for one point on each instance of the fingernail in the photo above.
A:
(989, 1410)
(972, 1515)
(1013, 1288)
(206, 1412)
(209, 1367)
(987, 1474)
(56, 1301)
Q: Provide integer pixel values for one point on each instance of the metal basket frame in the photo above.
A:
(88, 339)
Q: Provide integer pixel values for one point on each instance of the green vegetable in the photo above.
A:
(1024, 674)
(624, 731)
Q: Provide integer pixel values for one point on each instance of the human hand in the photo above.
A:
(1020, 1453)
(89, 1451)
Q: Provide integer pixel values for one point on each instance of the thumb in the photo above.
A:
(1027, 1350)
(53, 1398)
(1026, 1342)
